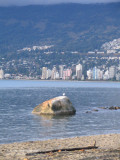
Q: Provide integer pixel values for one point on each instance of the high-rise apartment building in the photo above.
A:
(79, 71)
(106, 75)
(89, 74)
(44, 73)
(54, 70)
(61, 68)
(67, 74)
(1, 74)
(95, 73)
(49, 73)
(112, 72)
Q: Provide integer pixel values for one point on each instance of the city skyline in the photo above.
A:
(62, 72)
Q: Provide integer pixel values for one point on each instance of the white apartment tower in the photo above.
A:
(49, 73)
(1, 74)
(79, 71)
(44, 73)
(89, 74)
(53, 76)
(61, 68)
(112, 72)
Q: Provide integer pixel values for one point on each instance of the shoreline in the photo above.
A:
(45, 80)
(32, 149)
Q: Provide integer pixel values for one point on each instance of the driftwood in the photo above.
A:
(60, 150)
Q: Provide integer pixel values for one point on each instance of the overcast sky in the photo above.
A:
(32, 2)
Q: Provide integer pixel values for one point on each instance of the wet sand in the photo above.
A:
(108, 148)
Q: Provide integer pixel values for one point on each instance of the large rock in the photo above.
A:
(57, 106)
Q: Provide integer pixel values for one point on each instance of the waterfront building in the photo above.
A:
(99, 74)
(53, 75)
(79, 71)
(67, 74)
(73, 77)
(7, 76)
(57, 76)
(112, 72)
(95, 73)
(1, 74)
(118, 76)
(44, 73)
(106, 75)
(89, 74)
(61, 68)
(83, 78)
(49, 73)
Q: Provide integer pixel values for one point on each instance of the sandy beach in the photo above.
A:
(104, 147)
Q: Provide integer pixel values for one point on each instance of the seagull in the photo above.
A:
(63, 94)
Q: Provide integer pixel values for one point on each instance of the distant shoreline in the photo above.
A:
(58, 80)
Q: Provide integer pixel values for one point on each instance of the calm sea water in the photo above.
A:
(18, 98)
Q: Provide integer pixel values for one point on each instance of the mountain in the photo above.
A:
(69, 27)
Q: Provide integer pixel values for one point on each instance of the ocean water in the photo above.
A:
(18, 99)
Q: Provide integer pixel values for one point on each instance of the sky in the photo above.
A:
(37, 2)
